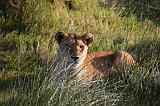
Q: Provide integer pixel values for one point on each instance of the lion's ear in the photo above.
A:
(59, 36)
(88, 38)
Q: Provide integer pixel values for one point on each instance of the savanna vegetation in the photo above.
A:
(27, 45)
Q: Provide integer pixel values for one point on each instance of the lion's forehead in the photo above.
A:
(72, 40)
(80, 42)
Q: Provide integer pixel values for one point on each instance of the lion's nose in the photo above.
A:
(74, 58)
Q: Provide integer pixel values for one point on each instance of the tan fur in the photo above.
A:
(88, 65)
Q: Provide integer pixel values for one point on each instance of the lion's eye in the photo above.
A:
(81, 46)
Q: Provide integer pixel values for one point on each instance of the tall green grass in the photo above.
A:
(25, 78)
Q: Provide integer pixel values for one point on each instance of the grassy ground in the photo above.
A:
(27, 28)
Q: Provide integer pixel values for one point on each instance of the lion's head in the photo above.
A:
(72, 47)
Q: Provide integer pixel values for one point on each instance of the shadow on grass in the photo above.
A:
(12, 12)
(146, 86)
(147, 51)
(21, 81)
(23, 86)
(143, 9)
(11, 87)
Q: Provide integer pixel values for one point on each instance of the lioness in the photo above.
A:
(86, 66)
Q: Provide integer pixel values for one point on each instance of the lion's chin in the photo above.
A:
(75, 65)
